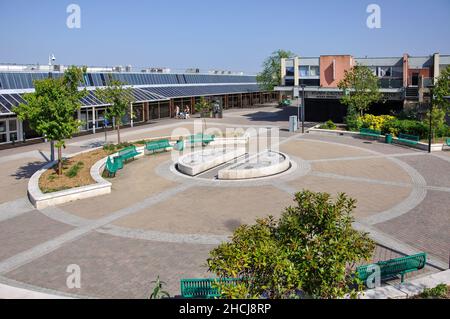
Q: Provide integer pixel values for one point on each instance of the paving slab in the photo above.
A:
(371, 198)
(373, 168)
(427, 227)
(310, 150)
(113, 267)
(210, 210)
(14, 176)
(26, 231)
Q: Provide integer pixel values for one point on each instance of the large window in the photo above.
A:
(290, 71)
(314, 71)
(8, 130)
(304, 70)
(309, 70)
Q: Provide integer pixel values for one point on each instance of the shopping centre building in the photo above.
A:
(156, 92)
(403, 81)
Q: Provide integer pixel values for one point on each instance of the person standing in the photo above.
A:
(177, 112)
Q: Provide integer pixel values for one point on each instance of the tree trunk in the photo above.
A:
(118, 134)
(60, 167)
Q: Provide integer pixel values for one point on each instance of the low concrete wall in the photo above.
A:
(232, 173)
(42, 200)
(193, 170)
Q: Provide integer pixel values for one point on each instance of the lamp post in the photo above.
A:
(303, 107)
(51, 58)
(431, 87)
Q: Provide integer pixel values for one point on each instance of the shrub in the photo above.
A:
(396, 126)
(309, 251)
(329, 125)
(388, 124)
(439, 292)
(353, 120)
(375, 122)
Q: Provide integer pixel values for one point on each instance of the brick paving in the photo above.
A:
(113, 267)
(26, 231)
(426, 227)
(125, 239)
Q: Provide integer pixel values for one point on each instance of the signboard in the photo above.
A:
(336, 95)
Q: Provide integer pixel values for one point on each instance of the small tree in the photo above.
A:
(119, 99)
(270, 76)
(310, 251)
(361, 89)
(442, 90)
(51, 108)
(158, 292)
(441, 106)
(203, 106)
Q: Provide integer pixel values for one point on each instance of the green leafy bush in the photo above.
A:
(376, 122)
(309, 252)
(389, 124)
(329, 125)
(412, 127)
(353, 120)
(439, 292)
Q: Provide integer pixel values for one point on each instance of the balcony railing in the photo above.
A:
(391, 83)
(420, 81)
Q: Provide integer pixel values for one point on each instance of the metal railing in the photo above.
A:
(391, 83)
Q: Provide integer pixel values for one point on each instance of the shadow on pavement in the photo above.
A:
(26, 171)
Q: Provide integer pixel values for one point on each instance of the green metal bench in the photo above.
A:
(201, 138)
(204, 288)
(285, 102)
(447, 141)
(128, 152)
(154, 146)
(408, 139)
(394, 267)
(369, 132)
(112, 167)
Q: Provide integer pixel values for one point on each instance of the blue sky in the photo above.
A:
(231, 34)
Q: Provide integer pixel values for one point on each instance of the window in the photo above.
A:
(314, 71)
(290, 71)
(384, 71)
(304, 70)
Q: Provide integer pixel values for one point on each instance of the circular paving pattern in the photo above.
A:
(158, 221)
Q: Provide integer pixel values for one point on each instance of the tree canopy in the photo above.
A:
(51, 108)
(309, 252)
(119, 99)
(361, 89)
(270, 76)
(442, 89)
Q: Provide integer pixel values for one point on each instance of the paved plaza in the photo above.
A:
(158, 223)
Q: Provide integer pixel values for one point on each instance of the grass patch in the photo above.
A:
(73, 171)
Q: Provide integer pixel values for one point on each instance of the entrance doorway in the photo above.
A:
(9, 130)
(415, 79)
